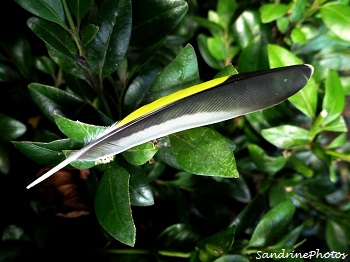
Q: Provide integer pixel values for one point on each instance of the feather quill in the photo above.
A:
(207, 103)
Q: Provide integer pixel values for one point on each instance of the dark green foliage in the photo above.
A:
(81, 65)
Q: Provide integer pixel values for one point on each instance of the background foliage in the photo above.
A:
(70, 68)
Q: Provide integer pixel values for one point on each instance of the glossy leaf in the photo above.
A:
(139, 155)
(10, 128)
(180, 73)
(178, 237)
(46, 153)
(228, 70)
(265, 163)
(226, 10)
(140, 86)
(247, 27)
(214, 28)
(306, 99)
(75, 66)
(334, 99)
(300, 166)
(216, 47)
(53, 35)
(203, 151)
(140, 190)
(20, 54)
(153, 20)
(337, 125)
(337, 237)
(289, 240)
(273, 225)
(8, 74)
(4, 160)
(202, 42)
(88, 33)
(112, 204)
(215, 246)
(77, 130)
(250, 214)
(286, 136)
(53, 100)
(46, 65)
(50, 10)
(108, 48)
(282, 24)
(253, 57)
(271, 12)
(337, 19)
(79, 8)
(339, 141)
(298, 10)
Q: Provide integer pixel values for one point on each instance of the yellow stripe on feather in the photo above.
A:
(166, 100)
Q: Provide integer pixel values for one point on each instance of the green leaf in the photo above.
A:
(286, 136)
(20, 54)
(246, 28)
(8, 74)
(77, 130)
(273, 225)
(79, 8)
(112, 204)
(166, 155)
(216, 47)
(75, 66)
(298, 36)
(337, 19)
(139, 87)
(46, 153)
(306, 99)
(10, 128)
(250, 214)
(203, 151)
(109, 46)
(334, 98)
(46, 65)
(339, 141)
(4, 160)
(289, 240)
(154, 20)
(298, 9)
(337, 125)
(53, 100)
(271, 12)
(228, 70)
(215, 246)
(337, 237)
(265, 163)
(282, 24)
(88, 33)
(53, 35)
(214, 28)
(202, 42)
(226, 10)
(253, 57)
(139, 155)
(178, 237)
(301, 167)
(140, 190)
(182, 72)
(51, 10)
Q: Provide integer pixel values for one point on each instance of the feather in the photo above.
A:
(207, 103)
